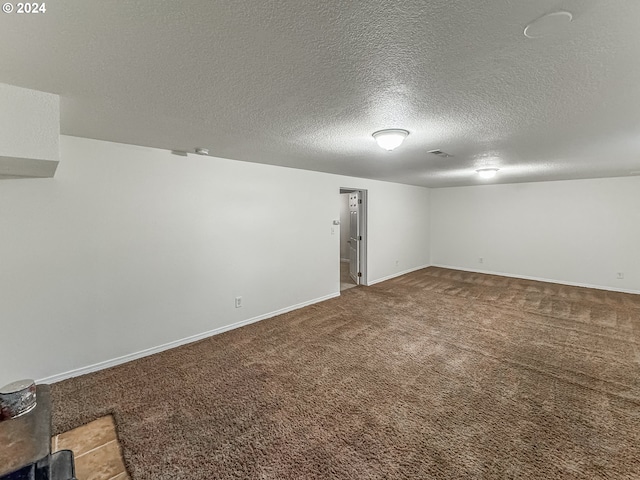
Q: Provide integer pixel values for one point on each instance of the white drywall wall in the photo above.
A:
(29, 131)
(577, 232)
(344, 226)
(129, 248)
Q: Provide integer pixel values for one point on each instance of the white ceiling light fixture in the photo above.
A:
(391, 138)
(487, 172)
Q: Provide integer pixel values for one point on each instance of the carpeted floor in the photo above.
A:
(437, 374)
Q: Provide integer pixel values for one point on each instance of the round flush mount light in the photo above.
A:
(548, 24)
(487, 172)
(391, 138)
(202, 151)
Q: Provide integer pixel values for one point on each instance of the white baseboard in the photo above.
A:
(176, 343)
(539, 279)
(389, 277)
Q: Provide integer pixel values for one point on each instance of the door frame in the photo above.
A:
(363, 231)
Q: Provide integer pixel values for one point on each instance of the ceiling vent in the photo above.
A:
(440, 153)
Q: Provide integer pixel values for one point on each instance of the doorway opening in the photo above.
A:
(353, 238)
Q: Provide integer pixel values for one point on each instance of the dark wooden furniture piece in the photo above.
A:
(25, 446)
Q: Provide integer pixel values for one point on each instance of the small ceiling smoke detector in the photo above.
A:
(487, 172)
(391, 138)
(548, 24)
(440, 153)
(202, 151)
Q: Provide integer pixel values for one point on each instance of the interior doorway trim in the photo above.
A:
(363, 231)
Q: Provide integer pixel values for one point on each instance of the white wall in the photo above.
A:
(577, 232)
(29, 133)
(344, 226)
(129, 248)
(29, 123)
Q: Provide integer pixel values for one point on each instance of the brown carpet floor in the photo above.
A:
(437, 374)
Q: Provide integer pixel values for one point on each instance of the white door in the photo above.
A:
(355, 238)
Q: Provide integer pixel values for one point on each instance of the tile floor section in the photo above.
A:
(345, 279)
(96, 450)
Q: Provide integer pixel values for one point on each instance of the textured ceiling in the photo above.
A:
(304, 83)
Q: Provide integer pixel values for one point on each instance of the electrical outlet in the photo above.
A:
(481, 260)
(238, 302)
(620, 276)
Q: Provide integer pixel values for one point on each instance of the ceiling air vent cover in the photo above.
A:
(440, 153)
